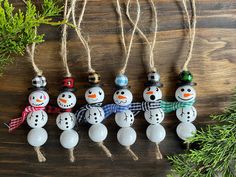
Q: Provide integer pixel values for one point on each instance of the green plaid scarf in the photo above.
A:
(172, 106)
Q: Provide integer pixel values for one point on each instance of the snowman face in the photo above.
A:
(66, 100)
(38, 98)
(94, 115)
(66, 121)
(94, 95)
(124, 119)
(37, 119)
(154, 116)
(152, 93)
(187, 114)
(123, 97)
(185, 93)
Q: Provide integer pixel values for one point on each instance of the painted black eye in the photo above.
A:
(100, 93)
(41, 97)
(122, 93)
(149, 89)
(117, 92)
(63, 95)
(157, 89)
(189, 90)
(33, 97)
(182, 90)
(90, 92)
(69, 96)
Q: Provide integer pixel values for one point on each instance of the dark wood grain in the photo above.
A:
(213, 66)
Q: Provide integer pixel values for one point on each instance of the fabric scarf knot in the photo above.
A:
(15, 123)
(114, 108)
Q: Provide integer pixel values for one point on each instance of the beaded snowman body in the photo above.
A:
(155, 131)
(66, 120)
(95, 114)
(125, 119)
(37, 118)
(186, 93)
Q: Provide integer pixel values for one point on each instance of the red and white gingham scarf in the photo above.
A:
(15, 123)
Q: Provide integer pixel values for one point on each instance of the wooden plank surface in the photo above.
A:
(213, 66)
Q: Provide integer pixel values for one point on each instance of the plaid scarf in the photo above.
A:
(80, 114)
(15, 123)
(172, 106)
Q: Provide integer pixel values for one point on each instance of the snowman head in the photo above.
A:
(66, 121)
(94, 95)
(66, 100)
(123, 97)
(152, 93)
(38, 98)
(37, 119)
(185, 93)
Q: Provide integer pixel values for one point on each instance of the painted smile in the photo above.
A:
(64, 105)
(185, 99)
(121, 101)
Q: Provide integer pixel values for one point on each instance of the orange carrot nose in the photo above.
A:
(63, 100)
(121, 97)
(39, 101)
(92, 96)
(149, 92)
(187, 94)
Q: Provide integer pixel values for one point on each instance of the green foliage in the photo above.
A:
(17, 27)
(216, 154)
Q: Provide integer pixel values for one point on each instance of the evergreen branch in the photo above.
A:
(17, 27)
(216, 152)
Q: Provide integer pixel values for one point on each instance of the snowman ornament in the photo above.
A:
(94, 115)
(186, 93)
(155, 131)
(66, 120)
(126, 135)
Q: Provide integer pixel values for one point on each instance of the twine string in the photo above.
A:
(64, 52)
(105, 149)
(79, 34)
(40, 155)
(192, 31)
(158, 152)
(128, 49)
(151, 67)
(133, 155)
(31, 53)
(71, 155)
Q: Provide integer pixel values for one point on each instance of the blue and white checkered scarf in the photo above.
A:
(114, 108)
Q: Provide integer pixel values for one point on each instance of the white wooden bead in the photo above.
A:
(37, 119)
(94, 95)
(66, 120)
(152, 93)
(123, 97)
(66, 100)
(98, 132)
(126, 136)
(186, 130)
(154, 116)
(37, 137)
(187, 114)
(156, 133)
(185, 93)
(94, 115)
(38, 98)
(124, 119)
(69, 139)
